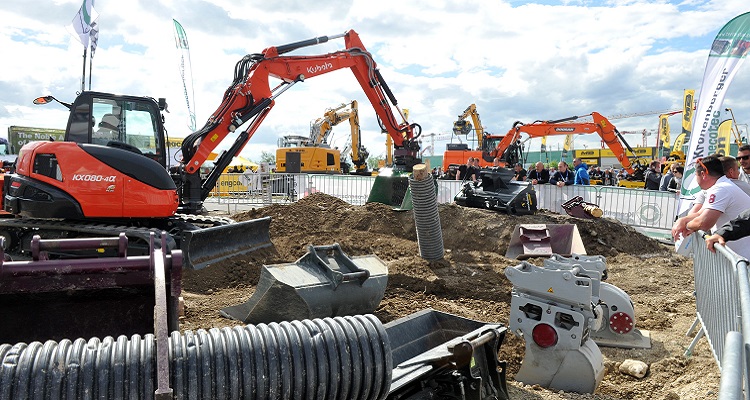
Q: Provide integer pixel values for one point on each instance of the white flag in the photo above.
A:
(728, 51)
(81, 25)
(94, 36)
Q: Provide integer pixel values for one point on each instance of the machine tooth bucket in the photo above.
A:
(325, 282)
(393, 191)
(203, 247)
(543, 240)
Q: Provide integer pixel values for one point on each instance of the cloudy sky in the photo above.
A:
(516, 60)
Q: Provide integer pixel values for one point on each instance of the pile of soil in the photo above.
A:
(470, 282)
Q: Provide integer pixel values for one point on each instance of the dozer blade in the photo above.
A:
(203, 247)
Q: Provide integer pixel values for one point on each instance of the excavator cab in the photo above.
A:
(127, 122)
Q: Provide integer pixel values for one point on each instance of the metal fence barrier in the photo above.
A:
(722, 302)
(649, 211)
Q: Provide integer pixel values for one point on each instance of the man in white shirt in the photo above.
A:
(723, 202)
(743, 156)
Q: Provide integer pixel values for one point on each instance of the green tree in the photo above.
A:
(374, 161)
(267, 157)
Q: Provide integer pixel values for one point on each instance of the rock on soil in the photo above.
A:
(470, 282)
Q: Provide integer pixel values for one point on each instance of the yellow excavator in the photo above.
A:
(313, 154)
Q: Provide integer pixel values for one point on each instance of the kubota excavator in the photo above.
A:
(109, 175)
(115, 175)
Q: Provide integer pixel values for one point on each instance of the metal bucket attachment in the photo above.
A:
(391, 190)
(543, 240)
(578, 208)
(493, 191)
(203, 247)
(430, 346)
(325, 282)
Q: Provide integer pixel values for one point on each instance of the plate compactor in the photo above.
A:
(495, 190)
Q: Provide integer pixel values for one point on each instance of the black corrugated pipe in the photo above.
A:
(330, 358)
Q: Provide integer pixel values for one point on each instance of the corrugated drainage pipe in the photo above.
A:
(331, 358)
(426, 216)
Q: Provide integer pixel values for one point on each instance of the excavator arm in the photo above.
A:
(250, 98)
(460, 127)
(321, 129)
(600, 125)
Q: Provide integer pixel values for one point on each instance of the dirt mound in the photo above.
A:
(471, 282)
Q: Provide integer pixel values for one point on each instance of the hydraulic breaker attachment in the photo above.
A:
(443, 356)
(325, 282)
(493, 191)
(619, 328)
(203, 247)
(544, 240)
(52, 299)
(553, 311)
(578, 208)
(589, 263)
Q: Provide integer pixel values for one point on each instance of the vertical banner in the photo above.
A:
(567, 146)
(664, 131)
(543, 148)
(728, 51)
(687, 113)
(679, 142)
(724, 137)
(186, 71)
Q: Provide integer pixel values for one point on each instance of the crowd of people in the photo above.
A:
(722, 206)
(579, 173)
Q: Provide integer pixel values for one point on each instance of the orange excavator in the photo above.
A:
(509, 149)
(115, 175)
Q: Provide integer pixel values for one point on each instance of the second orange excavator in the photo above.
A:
(509, 149)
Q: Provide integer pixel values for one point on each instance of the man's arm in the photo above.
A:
(705, 220)
(736, 228)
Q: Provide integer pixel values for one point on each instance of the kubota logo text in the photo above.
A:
(319, 68)
(93, 178)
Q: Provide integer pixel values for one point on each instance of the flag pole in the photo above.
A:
(83, 77)
(91, 70)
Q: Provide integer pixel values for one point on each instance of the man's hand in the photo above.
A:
(712, 240)
(679, 229)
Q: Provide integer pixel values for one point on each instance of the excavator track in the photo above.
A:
(19, 231)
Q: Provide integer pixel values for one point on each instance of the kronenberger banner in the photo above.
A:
(727, 53)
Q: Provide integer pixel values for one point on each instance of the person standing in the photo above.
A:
(666, 178)
(723, 202)
(463, 171)
(743, 156)
(653, 176)
(539, 175)
(732, 171)
(581, 172)
(563, 176)
(675, 184)
(520, 172)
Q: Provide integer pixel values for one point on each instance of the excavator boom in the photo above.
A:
(600, 125)
(250, 98)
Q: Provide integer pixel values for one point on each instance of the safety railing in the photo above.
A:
(649, 211)
(722, 301)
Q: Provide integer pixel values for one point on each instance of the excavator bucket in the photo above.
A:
(544, 240)
(325, 282)
(393, 191)
(203, 247)
(432, 346)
